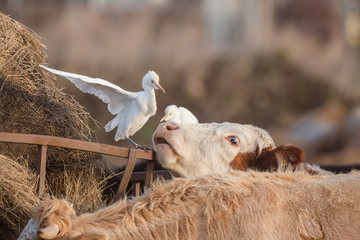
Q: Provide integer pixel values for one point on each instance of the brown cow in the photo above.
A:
(238, 205)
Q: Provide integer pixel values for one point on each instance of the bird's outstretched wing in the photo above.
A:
(115, 96)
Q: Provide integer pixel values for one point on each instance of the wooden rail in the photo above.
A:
(44, 141)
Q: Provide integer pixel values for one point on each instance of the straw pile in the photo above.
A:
(30, 102)
(15, 205)
(82, 187)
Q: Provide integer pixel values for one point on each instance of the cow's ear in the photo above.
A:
(285, 156)
(242, 161)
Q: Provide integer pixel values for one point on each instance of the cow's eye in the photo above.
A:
(234, 140)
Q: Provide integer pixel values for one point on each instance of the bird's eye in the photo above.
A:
(234, 140)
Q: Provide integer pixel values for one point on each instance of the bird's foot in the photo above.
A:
(137, 146)
(146, 149)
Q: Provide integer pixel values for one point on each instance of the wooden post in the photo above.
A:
(41, 169)
(43, 142)
(149, 173)
(136, 188)
(127, 174)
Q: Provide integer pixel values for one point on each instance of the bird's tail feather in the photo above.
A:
(113, 123)
(108, 127)
(119, 134)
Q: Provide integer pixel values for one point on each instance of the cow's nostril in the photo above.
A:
(170, 127)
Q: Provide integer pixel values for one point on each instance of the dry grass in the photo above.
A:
(17, 195)
(82, 187)
(30, 102)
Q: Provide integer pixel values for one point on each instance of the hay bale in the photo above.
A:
(17, 196)
(82, 187)
(30, 101)
(18, 192)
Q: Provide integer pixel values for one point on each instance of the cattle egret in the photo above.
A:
(132, 109)
(179, 115)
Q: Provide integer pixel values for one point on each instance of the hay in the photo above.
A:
(17, 196)
(82, 187)
(30, 102)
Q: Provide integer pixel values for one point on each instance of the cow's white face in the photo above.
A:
(193, 150)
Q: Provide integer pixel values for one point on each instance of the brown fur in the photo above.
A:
(283, 157)
(240, 205)
(59, 213)
(242, 161)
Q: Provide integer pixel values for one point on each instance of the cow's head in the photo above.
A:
(192, 150)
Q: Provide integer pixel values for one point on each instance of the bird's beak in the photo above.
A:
(159, 86)
(164, 118)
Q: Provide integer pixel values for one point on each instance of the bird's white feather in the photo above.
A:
(186, 116)
(132, 109)
(115, 96)
(179, 114)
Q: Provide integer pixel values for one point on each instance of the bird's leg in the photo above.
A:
(137, 146)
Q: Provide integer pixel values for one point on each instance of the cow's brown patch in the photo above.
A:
(290, 156)
(284, 156)
(266, 161)
(242, 161)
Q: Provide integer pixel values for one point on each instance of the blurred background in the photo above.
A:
(289, 66)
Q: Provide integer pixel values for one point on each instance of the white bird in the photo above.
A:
(178, 114)
(132, 109)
